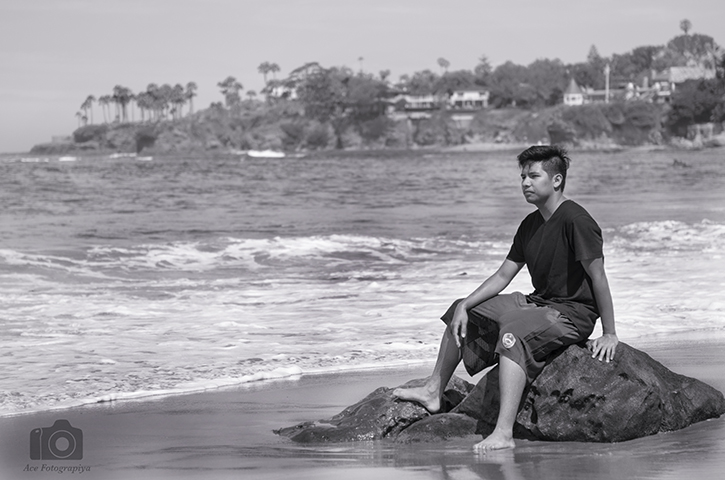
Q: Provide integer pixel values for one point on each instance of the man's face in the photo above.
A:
(536, 183)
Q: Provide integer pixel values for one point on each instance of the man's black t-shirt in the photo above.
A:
(553, 251)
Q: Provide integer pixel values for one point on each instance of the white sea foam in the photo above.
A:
(281, 373)
(670, 238)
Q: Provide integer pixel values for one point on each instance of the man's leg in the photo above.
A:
(430, 394)
(512, 381)
(528, 337)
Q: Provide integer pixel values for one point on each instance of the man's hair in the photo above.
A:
(553, 158)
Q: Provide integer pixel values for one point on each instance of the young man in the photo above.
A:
(561, 245)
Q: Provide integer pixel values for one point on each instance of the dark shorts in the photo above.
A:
(508, 325)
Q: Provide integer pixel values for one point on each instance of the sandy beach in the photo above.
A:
(228, 434)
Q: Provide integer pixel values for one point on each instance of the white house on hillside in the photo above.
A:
(663, 84)
(421, 102)
(675, 75)
(281, 91)
(468, 99)
(666, 81)
(573, 95)
(462, 99)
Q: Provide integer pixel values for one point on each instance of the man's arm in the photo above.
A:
(489, 288)
(604, 346)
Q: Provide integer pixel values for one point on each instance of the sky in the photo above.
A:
(54, 53)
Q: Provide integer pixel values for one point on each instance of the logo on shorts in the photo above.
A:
(508, 340)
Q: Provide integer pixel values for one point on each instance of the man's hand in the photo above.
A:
(459, 325)
(603, 347)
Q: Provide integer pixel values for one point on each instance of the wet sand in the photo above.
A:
(228, 434)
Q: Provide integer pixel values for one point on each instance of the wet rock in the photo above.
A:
(435, 428)
(578, 398)
(377, 416)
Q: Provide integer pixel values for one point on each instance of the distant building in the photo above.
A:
(573, 95)
(412, 107)
(664, 83)
(677, 75)
(465, 100)
(287, 88)
(468, 99)
(301, 73)
(280, 90)
(421, 102)
(662, 86)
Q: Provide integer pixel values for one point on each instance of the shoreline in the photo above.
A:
(283, 375)
(257, 380)
(217, 434)
(474, 147)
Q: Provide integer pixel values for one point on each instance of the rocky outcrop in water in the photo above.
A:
(576, 398)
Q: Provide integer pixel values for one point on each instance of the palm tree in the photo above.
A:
(178, 98)
(133, 99)
(165, 95)
(264, 69)
(190, 94)
(148, 104)
(88, 105)
(122, 96)
(274, 68)
(142, 104)
(230, 88)
(84, 107)
(126, 99)
(104, 100)
(116, 110)
(79, 116)
(444, 64)
(153, 101)
(685, 25)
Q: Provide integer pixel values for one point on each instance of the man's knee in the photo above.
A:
(510, 343)
(513, 345)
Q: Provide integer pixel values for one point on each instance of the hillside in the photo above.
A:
(283, 126)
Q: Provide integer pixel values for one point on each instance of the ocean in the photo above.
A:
(122, 278)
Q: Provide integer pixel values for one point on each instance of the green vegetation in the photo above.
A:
(621, 123)
(697, 101)
(321, 108)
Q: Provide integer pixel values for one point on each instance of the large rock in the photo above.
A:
(442, 426)
(576, 398)
(377, 416)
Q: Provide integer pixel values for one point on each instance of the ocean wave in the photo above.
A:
(111, 323)
(248, 254)
(331, 252)
(669, 236)
(334, 256)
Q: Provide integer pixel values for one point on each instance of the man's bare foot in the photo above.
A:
(421, 395)
(496, 441)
